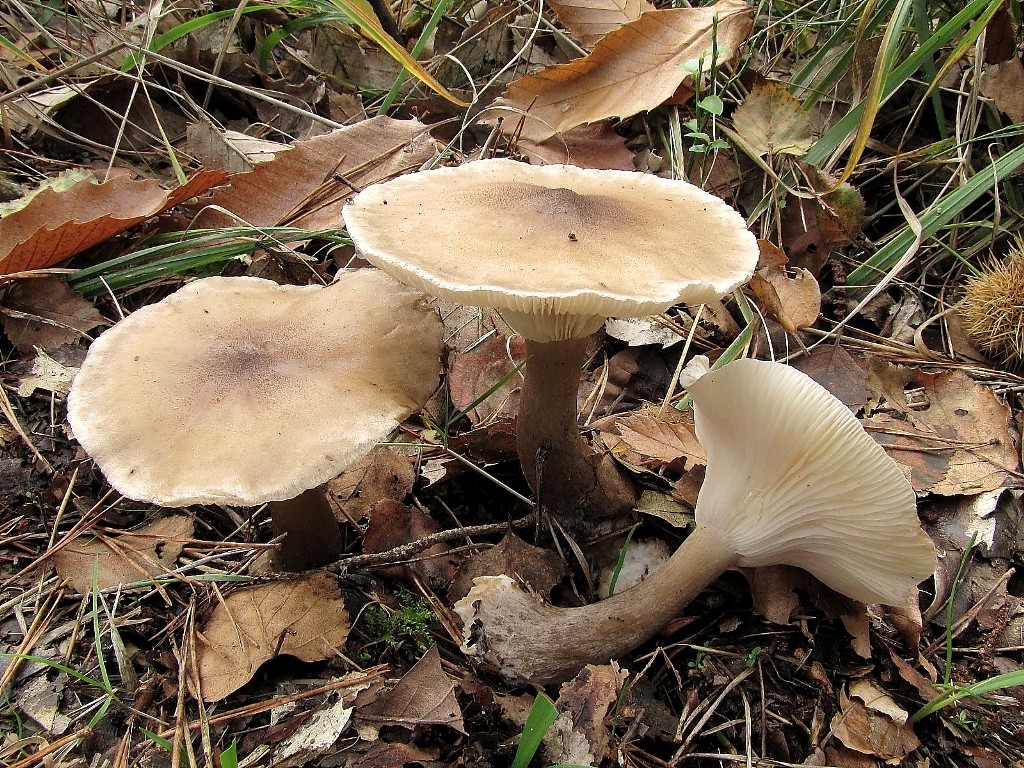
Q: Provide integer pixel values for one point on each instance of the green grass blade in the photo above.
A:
(363, 17)
(186, 28)
(937, 216)
(297, 25)
(944, 699)
(428, 30)
(837, 135)
(542, 715)
(16, 51)
(892, 43)
(966, 43)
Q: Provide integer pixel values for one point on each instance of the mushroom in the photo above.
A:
(556, 249)
(237, 390)
(792, 478)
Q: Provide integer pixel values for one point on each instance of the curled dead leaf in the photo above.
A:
(307, 185)
(794, 302)
(56, 224)
(424, 696)
(590, 20)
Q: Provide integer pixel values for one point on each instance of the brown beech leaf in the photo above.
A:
(46, 313)
(794, 302)
(949, 433)
(541, 568)
(632, 69)
(136, 555)
(473, 373)
(424, 696)
(57, 224)
(380, 474)
(386, 754)
(772, 121)
(870, 722)
(1004, 84)
(838, 372)
(590, 20)
(661, 443)
(393, 524)
(304, 617)
(308, 184)
(594, 145)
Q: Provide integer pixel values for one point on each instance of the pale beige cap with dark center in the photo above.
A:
(555, 248)
(237, 390)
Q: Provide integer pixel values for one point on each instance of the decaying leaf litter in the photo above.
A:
(874, 154)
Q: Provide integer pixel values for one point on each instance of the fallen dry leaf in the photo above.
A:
(108, 560)
(595, 145)
(307, 185)
(661, 443)
(580, 735)
(393, 524)
(632, 69)
(772, 121)
(813, 227)
(229, 151)
(641, 331)
(949, 433)
(385, 754)
(773, 589)
(48, 375)
(1004, 84)
(590, 20)
(834, 368)
(870, 722)
(304, 617)
(381, 474)
(541, 568)
(424, 696)
(58, 224)
(794, 302)
(46, 313)
(471, 374)
(317, 732)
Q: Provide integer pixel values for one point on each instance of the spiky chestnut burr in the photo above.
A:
(992, 308)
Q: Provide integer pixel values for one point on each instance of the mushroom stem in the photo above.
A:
(311, 534)
(566, 476)
(529, 640)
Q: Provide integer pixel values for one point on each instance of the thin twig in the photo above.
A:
(398, 554)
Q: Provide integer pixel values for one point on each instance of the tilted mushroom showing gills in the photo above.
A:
(556, 249)
(237, 390)
(792, 478)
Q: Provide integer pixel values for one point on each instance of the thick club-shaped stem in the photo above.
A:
(311, 534)
(576, 484)
(536, 642)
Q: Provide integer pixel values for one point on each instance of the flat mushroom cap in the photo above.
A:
(574, 245)
(793, 478)
(237, 390)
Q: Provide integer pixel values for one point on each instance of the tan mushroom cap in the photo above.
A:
(237, 390)
(569, 245)
(793, 478)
